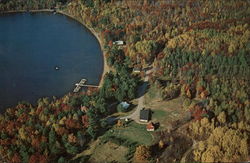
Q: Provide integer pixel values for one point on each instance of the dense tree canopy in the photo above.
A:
(202, 45)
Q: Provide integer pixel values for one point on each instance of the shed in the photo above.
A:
(150, 126)
(118, 42)
(136, 70)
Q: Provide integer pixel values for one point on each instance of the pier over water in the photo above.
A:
(82, 84)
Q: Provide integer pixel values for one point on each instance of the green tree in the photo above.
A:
(52, 137)
(61, 160)
(147, 48)
(71, 149)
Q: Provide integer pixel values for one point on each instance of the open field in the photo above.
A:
(133, 132)
(166, 112)
(104, 150)
(108, 152)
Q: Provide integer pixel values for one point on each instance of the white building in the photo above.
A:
(118, 43)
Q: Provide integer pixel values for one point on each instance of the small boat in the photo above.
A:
(57, 68)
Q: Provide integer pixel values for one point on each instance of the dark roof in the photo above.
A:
(144, 114)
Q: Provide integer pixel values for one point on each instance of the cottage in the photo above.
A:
(144, 115)
(150, 126)
(136, 70)
(118, 43)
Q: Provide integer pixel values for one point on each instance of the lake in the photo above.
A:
(32, 45)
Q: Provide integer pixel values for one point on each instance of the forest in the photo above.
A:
(204, 45)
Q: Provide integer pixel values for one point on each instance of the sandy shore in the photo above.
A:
(18, 11)
(96, 34)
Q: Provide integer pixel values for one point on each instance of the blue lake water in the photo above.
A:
(32, 44)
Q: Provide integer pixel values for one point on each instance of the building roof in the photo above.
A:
(136, 69)
(150, 126)
(125, 105)
(144, 114)
(119, 42)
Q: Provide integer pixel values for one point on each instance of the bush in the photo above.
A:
(172, 91)
(104, 123)
(142, 153)
(187, 103)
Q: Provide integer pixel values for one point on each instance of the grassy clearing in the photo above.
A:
(108, 152)
(153, 93)
(133, 132)
(159, 114)
(166, 112)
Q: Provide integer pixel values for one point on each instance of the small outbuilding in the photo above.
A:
(144, 115)
(150, 126)
(119, 42)
(136, 70)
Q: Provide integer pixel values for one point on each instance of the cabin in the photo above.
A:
(119, 43)
(150, 126)
(144, 115)
(136, 70)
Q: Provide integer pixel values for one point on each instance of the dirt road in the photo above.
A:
(142, 90)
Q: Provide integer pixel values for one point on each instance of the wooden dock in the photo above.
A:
(79, 85)
(82, 84)
(89, 85)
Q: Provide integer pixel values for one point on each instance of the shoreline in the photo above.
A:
(96, 34)
(31, 11)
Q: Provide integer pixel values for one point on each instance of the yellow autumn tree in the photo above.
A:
(161, 144)
(142, 153)
(223, 145)
(222, 118)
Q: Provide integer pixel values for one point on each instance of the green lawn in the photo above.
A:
(107, 151)
(159, 115)
(133, 132)
(166, 112)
